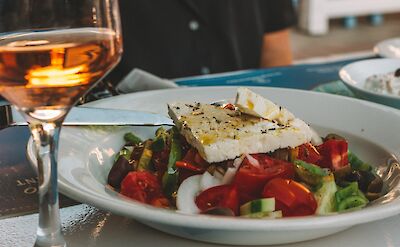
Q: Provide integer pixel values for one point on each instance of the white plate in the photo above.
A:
(355, 74)
(86, 155)
(389, 48)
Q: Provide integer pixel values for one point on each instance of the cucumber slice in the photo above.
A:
(276, 214)
(259, 206)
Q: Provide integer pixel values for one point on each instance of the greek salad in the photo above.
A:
(251, 158)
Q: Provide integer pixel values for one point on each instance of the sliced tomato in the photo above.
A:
(191, 164)
(293, 198)
(308, 153)
(334, 154)
(229, 106)
(189, 156)
(142, 186)
(187, 169)
(193, 157)
(160, 202)
(199, 160)
(250, 179)
(223, 196)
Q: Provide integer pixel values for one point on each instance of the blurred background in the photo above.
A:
(342, 26)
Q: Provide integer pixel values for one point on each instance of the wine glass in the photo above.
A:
(51, 53)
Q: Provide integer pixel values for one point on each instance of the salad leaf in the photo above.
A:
(325, 195)
(132, 138)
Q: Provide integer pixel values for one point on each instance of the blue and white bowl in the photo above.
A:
(354, 76)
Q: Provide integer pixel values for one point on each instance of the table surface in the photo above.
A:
(84, 225)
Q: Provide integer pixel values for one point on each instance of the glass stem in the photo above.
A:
(46, 135)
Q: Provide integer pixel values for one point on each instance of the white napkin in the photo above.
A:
(140, 80)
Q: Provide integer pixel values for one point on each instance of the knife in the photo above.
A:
(80, 116)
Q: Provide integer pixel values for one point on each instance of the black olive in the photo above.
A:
(354, 176)
(397, 73)
(368, 177)
(372, 196)
(363, 178)
(376, 185)
(118, 172)
(341, 173)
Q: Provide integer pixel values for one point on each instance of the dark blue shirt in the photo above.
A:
(177, 38)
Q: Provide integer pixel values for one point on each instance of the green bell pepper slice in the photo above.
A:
(358, 164)
(170, 177)
(352, 202)
(160, 141)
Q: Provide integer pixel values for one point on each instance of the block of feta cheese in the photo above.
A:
(253, 104)
(222, 134)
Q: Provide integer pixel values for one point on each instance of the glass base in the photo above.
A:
(46, 241)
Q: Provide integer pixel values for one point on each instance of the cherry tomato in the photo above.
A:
(334, 154)
(142, 186)
(293, 198)
(223, 196)
(308, 153)
(250, 179)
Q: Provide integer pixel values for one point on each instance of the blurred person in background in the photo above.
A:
(178, 38)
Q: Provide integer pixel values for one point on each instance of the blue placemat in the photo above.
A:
(307, 76)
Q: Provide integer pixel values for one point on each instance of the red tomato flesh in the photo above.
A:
(191, 164)
(223, 196)
(308, 153)
(334, 154)
(160, 202)
(291, 197)
(250, 180)
(142, 186)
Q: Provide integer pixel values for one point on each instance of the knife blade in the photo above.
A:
(80, 116)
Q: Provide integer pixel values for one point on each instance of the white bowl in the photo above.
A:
(355, 74)
(86, 155)
(389, 48)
